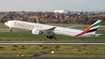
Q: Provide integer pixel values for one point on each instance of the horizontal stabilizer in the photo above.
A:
(98, 34)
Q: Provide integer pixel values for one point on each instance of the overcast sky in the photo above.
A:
(50, 5)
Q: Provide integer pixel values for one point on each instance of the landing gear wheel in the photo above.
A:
(53, 36)
(50, 37)
(46, 36)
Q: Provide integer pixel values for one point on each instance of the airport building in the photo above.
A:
(60, 11)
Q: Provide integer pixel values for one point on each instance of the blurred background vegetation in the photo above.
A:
(53, 18)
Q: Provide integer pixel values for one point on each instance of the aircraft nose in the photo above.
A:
(5, 23)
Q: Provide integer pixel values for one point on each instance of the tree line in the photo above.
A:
(53, 18)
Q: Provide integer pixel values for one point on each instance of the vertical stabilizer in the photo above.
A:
(92, 29)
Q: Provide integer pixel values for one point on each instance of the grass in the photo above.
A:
(28, 36)
(53, 55)
(27, 48)
(62, 55)
(15, 55)
(67, 50)
(2, 26)
(60, 49)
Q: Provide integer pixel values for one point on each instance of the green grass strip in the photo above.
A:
(15, 55)
(63, 55)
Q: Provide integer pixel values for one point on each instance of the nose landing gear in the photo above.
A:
(11, 30)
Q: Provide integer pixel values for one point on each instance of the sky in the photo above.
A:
(51, 5)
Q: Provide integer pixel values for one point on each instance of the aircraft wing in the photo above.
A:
(71, 27)
(50, 30)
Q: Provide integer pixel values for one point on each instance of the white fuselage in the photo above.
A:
(57, 30)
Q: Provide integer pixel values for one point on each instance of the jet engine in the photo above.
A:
(36, 32)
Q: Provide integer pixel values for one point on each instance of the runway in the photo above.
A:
(52, 42)
(14, 30)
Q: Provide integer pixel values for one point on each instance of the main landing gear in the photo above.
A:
(50, 36)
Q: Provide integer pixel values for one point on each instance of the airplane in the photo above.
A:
(38, 29)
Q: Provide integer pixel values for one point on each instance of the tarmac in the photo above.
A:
(52, 42)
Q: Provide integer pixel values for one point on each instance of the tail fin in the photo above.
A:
(92, 29)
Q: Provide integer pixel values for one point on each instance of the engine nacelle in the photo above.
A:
(36, 32)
